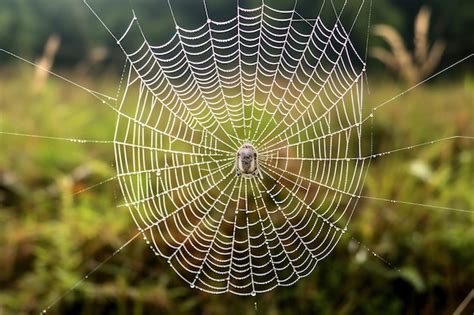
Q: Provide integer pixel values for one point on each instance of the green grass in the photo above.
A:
(51, 237)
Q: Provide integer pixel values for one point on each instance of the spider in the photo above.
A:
(246, 163)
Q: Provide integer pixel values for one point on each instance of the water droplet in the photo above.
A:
(253, 293)
(192, 286)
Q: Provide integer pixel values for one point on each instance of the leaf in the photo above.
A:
(413, 277)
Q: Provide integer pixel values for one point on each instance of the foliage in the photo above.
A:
(52, 236)
(411, 67)
(26, 25)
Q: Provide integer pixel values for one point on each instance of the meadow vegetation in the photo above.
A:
(53, 233)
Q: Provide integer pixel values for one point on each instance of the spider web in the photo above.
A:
(291, 87)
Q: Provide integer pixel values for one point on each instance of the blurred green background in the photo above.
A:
(51, 235)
